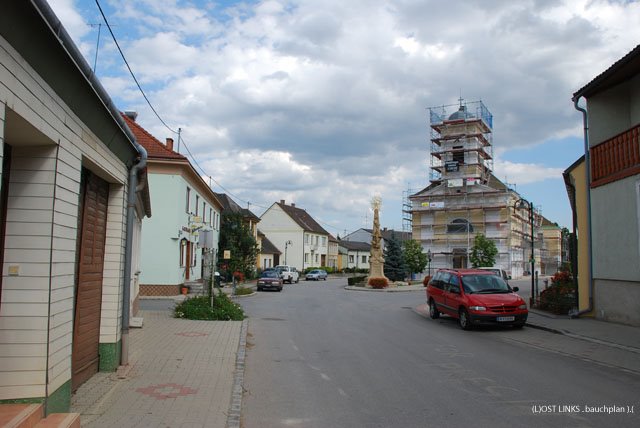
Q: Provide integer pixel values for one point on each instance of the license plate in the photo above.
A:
(504, 319)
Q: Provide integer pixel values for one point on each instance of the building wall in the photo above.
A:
(279, 228)
(578, 176)
(315, 246)
(36, 320)
(171, 223)
(614, 210)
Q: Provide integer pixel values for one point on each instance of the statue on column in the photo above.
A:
(376, 259)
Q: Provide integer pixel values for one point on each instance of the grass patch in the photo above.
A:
(243, 291)
(199, 308)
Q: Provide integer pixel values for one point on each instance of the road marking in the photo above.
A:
(341, 391)
(325, 377)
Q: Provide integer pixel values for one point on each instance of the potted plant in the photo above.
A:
(184, 289)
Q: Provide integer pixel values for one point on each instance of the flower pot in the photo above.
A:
(184, 290)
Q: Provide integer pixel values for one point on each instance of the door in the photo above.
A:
(85, 359)
(453, 296)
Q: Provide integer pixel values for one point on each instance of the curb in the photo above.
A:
(401, 289)
(235, 406)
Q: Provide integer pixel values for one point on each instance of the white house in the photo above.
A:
(302, 241)
(365, 235)
(358, 254)
(73, 193)
(185, 208)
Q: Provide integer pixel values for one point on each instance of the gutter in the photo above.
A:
(139, 161)
(587, 160)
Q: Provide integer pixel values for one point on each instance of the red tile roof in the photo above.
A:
(155, 149)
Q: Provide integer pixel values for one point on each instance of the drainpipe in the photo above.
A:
(132, 194)
(140, 162)
(587, 164)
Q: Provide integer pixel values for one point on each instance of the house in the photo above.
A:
(186, 211)
(465, 198)
(332, 253)
(73, 194)
(304, 241)
(365, 235)
(612, 157)
(269, 255)
(358, 254)
(575, 179)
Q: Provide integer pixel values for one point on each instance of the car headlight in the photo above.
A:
(522, 306)
(260, 282)
(477, 308)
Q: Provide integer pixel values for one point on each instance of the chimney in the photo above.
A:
(293, 205)
(170, 144)
(282, 201)
(133, 115)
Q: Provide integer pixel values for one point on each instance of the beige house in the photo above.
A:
(71, 214)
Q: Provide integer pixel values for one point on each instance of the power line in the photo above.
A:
(129, 68)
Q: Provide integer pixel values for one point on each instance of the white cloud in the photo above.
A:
(324, 103)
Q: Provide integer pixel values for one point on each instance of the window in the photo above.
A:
(351, 259)
(211, 217)
(364, 259)
(316, 239)
(316, 258)
(324, 241)
(188, 200)
(458, 154)
(306, 238)
(306, 257)
(204, 212)
(193, 254)
(197, 202)
(459, 225)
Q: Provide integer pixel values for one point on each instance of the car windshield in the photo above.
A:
(484, 284)
(269, 274)
(315, 271)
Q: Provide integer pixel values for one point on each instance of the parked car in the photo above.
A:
(269, 279)
(475, 297)
(288, 273)
(497, 271)
(316, 275)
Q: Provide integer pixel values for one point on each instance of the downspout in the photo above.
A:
(587, 164)
(132, 194)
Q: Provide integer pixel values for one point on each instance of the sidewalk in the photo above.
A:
(605, 333)
(182, 373)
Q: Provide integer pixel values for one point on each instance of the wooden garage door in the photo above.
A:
(88, 296)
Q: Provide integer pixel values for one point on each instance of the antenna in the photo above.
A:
(95, 59)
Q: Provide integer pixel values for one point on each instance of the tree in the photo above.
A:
(414, 259)
(236, 237)
(484, 251)
(394, 267)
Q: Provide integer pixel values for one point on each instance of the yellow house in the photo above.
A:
(576, 182)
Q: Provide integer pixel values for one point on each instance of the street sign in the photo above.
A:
(227, 254)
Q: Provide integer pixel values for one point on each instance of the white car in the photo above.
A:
(497, 271)
(288, 273)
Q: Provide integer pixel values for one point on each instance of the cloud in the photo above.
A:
(324, 103)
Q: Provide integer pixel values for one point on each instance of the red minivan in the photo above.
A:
(475, 297)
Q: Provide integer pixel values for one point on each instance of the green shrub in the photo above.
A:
(378, 282)
(199, 308)
(353, 280)
(243, 291)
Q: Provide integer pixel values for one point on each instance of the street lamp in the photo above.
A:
(429, 260)
(524, 204)
(286, 244)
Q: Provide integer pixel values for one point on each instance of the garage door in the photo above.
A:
(90, 262)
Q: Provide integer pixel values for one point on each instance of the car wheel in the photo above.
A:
(297, 280)
(434, 314)
(464, 320)
(279, 289)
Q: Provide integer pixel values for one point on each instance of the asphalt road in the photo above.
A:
(321, 356)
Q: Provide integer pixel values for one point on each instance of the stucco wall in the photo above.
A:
(279, 228)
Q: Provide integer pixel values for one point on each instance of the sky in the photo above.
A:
(326, 103)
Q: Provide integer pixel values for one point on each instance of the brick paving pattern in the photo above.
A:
(181, 375)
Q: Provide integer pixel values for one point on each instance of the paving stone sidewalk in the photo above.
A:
(182, 374)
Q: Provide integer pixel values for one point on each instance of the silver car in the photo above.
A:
(316, 275)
